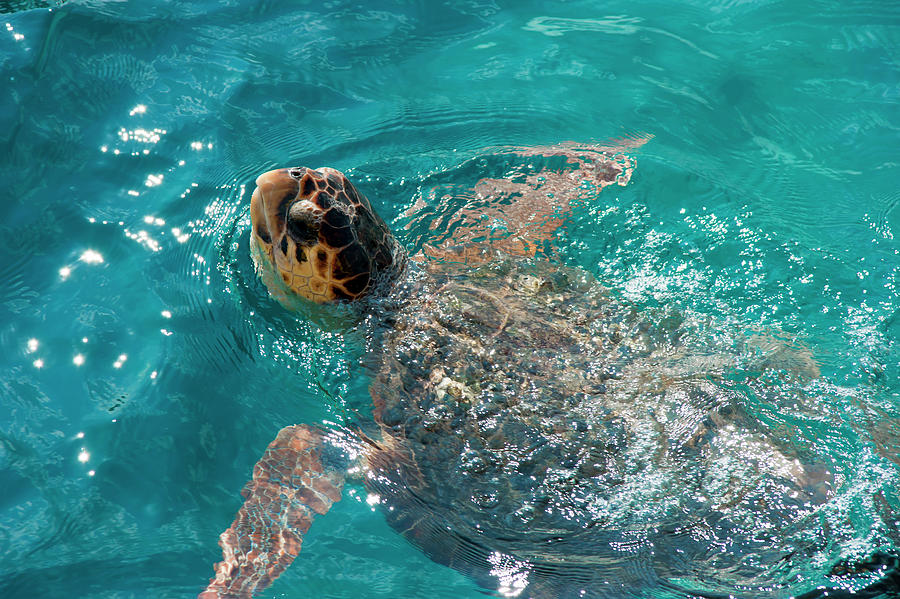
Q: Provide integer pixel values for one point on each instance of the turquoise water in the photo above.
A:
(145, 370)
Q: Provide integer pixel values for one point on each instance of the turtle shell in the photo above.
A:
(536, 433)
(555, 434)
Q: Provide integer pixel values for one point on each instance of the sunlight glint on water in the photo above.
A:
(145, 368)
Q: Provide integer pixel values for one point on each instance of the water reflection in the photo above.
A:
(786, 140)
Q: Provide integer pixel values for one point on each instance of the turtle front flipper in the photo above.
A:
(520, 215)
(294, 479)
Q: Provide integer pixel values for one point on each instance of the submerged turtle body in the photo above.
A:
(528, 429)
(546, 424)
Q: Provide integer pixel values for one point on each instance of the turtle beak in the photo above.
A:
(275, 187)
(269, 203)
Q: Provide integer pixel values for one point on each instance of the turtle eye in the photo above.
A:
(297, 172)
(302, 226)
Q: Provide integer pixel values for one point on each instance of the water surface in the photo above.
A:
(145, 369)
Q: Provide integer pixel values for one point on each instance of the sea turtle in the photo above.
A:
(529, 429)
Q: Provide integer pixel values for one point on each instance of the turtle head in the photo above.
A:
(320, 234)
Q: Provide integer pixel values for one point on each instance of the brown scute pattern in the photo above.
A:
(371, 233)
(338, 236)
(289, 486)
(340, 294)
(336, 182)
(324, 201)
(352, 242)
(351, 261)
(383, 259)
(336, 218)
(307, 186)
(355, 197)
(357, 284)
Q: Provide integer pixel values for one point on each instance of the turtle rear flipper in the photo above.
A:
(291, 483)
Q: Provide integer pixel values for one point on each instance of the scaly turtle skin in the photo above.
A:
(329, 244)
(528, 429)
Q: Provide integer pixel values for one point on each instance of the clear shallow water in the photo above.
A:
(132, 132)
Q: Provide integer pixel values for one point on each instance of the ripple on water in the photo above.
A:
(765, 201)
(11, 6)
